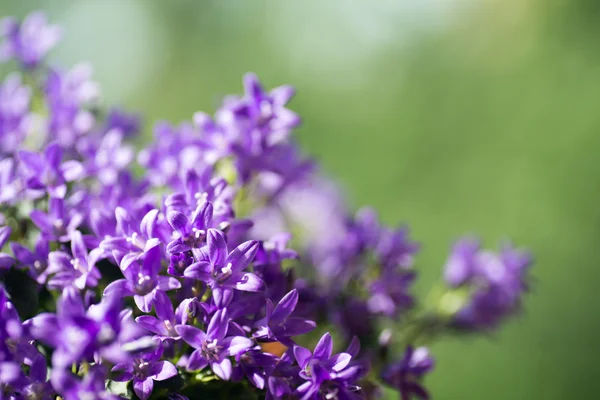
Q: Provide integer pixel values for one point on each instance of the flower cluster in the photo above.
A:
(182, 281)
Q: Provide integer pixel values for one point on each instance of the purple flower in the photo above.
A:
(29, 41)
(142, 281)
(14, 113)
(327, 375)
(67, 95)
(213, 347)
(278, 325)
(224, 271)
(163, 325)
(133, 236)
(389, 294)
(128, 124)
(92, 386)
(36, 261)
(59, 223)
(102, 330)
(496, 281)
(191, 232)
(48, 172)
(254, 364)
(406, 374)
(143, 371)
(78, 269)
(6, 261)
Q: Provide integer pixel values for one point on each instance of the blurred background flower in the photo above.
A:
(452, 116)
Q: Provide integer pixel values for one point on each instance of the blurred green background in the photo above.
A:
(454, 116)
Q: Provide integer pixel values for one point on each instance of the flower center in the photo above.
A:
(211, 349)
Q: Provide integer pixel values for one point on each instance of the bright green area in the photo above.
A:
(488, 125)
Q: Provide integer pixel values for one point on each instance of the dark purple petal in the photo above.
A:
(217, 328)
(196, 361)
(324, 348)
(164, 307)
(200, 270)
(179, 222)
(151, 324)
(285, 307)
(217, 247)
(302, 355)
(242, 255)
(191, 335)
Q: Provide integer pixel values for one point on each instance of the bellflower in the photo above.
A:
(279, 325)
(77, 269)
(28, 41)
(36, 260)
(497, 282)
(223, 271)
(59, 223)
(142, 281)
(406, 374)
(143, 371)
(213, 347)
(231, 242)
(326, 375)
(163, 325)
(191, 232)
(47, 171)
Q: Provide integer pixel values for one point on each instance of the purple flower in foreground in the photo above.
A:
(134, 236)
(28, 41)
(278, 325)
(142, 281)
(327, 375)
(405, 375)
(223, 271)
(213, 347)
(48, 172)
(163, 325)
(143, 371)
(92, 386)
(6, 261)
(78, 269)
(103, 330)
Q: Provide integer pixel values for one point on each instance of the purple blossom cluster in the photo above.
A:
(183, 279)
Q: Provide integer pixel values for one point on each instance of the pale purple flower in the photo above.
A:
(47, 171)
(15, 101)
(28, 41)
